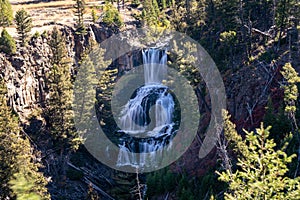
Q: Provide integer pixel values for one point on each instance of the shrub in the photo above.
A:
(111, 16)
(7, 43)
(6, 13)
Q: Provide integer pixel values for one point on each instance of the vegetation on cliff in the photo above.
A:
(42, 157)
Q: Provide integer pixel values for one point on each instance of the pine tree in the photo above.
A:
(16, 158)
(24, 25)
(290, 88)
(23, 188)
(149, 13)
(79, 10)
(285, 10)
(6, 13)
(278, 120)
(94, 16)
(189, 17)
(92, 65)
(59, 105)
(85, 93)
(57, 47)
(290, 97)
(59, 113)
(7, 43)
(262, 170)
(112, 16)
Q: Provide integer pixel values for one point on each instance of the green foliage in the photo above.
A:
(184, 190)
(183, 60)
(79, 10)
(278, 121)
(24, 25)
(290, 88)
(135, 3)
(36, 35)
(23, 188)
(232, 136)
(44, 34)
(286, 9)
(163, 4)
(228, 37)
(16, 158)
(112, 16)
(6, 13)
(185, 187)
(57, 46)
(228, 41)
(153, 15)
(261, 173)
(94, 16)
(91, 64)
(104, 90)
(59, 104)
(7, 43)
(160, 181)
(226, 15)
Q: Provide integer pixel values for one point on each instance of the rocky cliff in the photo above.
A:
(25, 74)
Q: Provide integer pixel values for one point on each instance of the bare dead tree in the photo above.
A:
(138, 184)
(222, 145)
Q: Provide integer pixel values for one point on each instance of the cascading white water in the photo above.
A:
(135, 114)
(154, 66)
(135, 119)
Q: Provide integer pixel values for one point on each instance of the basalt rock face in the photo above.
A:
(25, 73)
(25, 76)
(247, 91)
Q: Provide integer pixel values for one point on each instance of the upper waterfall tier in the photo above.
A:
(155, 69)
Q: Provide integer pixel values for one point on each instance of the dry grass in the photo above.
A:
(52, 4)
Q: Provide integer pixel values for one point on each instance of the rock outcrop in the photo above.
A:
(25, 73)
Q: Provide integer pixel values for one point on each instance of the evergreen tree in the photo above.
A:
(94, 16)
(261, 172)
(6, 13)
(59, 105)
(16, 158)
(189, 17)
(7, 43)
(24, 25)
(57, 46)
(112, 16)
(227, 16)
(290, 88)
(85, 93)
(59, 112)
(228, 40)
(79, 10)
(285, 10)
(290, 97)
(152, 16)
(23, 187)
(278, 120)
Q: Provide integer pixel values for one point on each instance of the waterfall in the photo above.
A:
(155, 69)
(147, 119)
